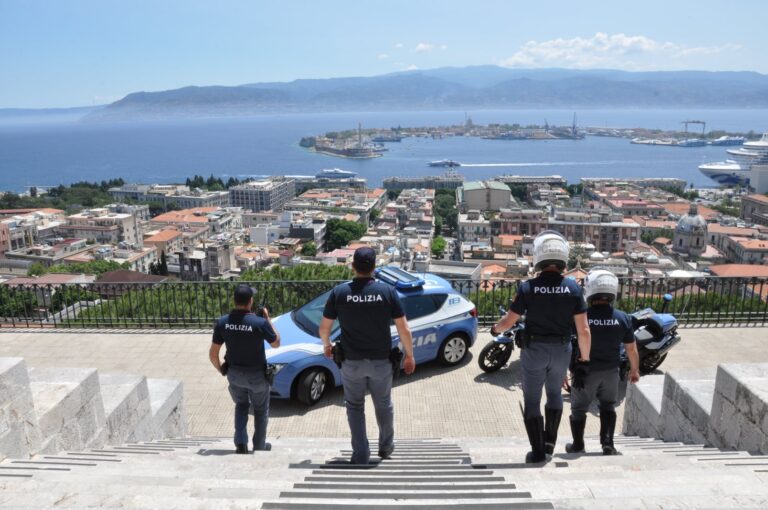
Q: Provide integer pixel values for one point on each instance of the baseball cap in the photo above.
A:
(364, 258)
(243, 294)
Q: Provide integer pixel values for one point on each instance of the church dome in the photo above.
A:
(692, 222)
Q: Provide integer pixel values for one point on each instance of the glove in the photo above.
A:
(580, 373)
(224, 368)
(493, 331)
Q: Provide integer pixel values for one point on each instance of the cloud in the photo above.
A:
(411, 67)
(619, 51)
(443, 47)
(424, 47)
(382, 56)
(399, 45)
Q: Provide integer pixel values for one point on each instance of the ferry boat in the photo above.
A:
(445, 162)
(728, 140)
(335, 173)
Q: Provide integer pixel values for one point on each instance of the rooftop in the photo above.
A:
(739, 270)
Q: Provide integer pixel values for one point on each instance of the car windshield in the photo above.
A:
(308, 316)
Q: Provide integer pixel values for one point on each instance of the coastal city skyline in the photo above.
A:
(89, 53)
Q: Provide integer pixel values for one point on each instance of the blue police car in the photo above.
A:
(442, 321)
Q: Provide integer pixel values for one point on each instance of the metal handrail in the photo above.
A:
(711, 300)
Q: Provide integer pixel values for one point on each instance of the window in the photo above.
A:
(420, 306)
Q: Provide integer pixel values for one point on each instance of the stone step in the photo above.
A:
(168, 412)
(69, 408)
(686, 405)
(19, 428)
(127, 408)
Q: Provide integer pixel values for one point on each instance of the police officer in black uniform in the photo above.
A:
(610, 328)
(365, 309)
(552, 305)
(244, 334)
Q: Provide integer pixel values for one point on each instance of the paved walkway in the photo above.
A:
(434, 402)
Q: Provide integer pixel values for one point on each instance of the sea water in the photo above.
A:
(52, 153)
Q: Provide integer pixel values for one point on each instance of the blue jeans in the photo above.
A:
(544, 365)
(249, 390)
(374, 376)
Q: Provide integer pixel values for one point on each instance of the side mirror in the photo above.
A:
(502, 311)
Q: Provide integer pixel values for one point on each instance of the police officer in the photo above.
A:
(610, 328)
(552, 304)
(244, 333)
(365, 309)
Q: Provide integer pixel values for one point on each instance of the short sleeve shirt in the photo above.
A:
(365, 309)
(244, 334)
(609, 329)
(549, 303)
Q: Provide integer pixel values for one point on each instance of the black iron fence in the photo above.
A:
(696, 301)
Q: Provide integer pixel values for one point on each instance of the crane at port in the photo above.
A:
(703, 125)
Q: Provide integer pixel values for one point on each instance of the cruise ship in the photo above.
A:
(736, 171)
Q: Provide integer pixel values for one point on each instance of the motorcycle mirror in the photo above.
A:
(502, 311)
(667, 297)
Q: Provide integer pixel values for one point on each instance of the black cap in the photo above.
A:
(243, 294)
(364, 258)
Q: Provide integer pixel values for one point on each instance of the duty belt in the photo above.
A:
(542, 339)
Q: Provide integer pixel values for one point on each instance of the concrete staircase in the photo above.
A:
(74, 438)
(49, 410)
(203, 473)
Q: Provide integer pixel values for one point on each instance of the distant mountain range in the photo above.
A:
(479, 87)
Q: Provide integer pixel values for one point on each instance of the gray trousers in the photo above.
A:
(603, 385)
(249, 391)
(375, 376)
(544, 365)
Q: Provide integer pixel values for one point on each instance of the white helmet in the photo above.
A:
(601, 283)
(550, 247)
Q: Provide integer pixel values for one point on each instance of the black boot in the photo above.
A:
(607, 427)
(535, 429)
(551, 424)
(241, 448)
(577, 429)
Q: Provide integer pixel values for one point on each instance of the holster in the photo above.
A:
(269, 373)
(395, 357)
(337, 352)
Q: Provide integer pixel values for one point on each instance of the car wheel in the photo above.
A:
(452, 350)
(311, 386)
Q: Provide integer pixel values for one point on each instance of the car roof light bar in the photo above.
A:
(400, 278)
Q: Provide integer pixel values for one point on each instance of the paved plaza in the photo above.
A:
(434, 402)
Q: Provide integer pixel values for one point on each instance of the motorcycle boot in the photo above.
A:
(551, 424)
(577, 429)
(535, 429)
(607, 427)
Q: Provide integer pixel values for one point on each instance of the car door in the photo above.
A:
(420, 313)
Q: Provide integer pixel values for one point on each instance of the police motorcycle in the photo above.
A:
(497, 352)
(655, 335)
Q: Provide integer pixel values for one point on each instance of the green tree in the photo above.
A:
(340, 232)
(375, 213)
(36, 269)
(309, 249)
(438, 246)
(648, 236)
(519, 191)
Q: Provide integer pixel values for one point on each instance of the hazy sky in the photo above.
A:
(81, 52)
